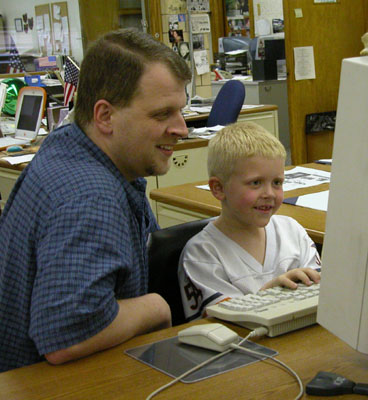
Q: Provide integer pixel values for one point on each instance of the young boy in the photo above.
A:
(247, 248)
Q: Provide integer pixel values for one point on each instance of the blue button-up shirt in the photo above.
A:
(73, 240)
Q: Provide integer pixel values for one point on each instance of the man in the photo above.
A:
(73, 263)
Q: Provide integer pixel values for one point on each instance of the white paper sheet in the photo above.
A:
(201, 62)
(200, 23)
(19, 159)
(301, 177)
(304, 63)
(317, 201)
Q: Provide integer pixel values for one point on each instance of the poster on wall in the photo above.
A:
(198, 42)
(174, 7)
(200, 23)
(201, 62)
(198, 5)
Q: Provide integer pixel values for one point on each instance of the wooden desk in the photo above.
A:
(113, 375)
(201, 204)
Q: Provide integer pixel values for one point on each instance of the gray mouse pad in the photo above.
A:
(174, 358)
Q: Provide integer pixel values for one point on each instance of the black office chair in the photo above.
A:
(164, 249)
(227, 105)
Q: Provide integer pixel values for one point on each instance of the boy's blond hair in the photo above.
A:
(237, 141)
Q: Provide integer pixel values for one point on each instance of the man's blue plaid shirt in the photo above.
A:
(73, 240)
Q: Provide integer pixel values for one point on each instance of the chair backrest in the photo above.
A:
(228, 103)
(164, 249)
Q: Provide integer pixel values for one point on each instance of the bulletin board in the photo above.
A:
(52, 24)
(44, 29)
(60, 25)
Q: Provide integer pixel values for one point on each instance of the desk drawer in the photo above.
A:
(266, 119)
(168, 215)
(8, 178)
(187, 166)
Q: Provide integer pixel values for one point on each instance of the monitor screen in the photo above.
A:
(274, 49)
(29, 113)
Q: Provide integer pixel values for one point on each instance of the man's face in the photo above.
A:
(144, 133)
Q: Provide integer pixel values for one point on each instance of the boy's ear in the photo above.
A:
(217, 188)
(102, 112)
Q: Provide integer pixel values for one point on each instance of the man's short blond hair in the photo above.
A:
(237, 141)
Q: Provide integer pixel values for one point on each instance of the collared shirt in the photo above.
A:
(73, 240)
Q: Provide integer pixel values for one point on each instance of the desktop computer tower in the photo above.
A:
(263, 70)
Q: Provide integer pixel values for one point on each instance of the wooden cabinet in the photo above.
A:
(132, 13)
(334, 30)
(100, 16)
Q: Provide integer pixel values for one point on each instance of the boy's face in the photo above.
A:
(254, 191)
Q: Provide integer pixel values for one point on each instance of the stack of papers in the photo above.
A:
(205, 133)
(301, 177)
(201, 109)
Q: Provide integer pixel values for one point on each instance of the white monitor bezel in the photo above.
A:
(29, 91)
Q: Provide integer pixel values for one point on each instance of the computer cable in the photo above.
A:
(330, 384)
(292, 372)
(258, 332)
(196, 368)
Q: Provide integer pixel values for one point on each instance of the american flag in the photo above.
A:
(15, 65)
(71, 75)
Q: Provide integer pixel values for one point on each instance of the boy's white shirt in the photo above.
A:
(213, 267)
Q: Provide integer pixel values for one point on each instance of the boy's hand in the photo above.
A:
(308, 276)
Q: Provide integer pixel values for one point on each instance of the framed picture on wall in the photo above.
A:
(18, 24)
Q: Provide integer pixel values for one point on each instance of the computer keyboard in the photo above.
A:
(279, 309)
(7, 125)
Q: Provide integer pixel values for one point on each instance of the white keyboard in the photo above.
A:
(278, 309)
(7, 126)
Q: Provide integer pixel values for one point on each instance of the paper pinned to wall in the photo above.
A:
(56, 11)
(198, 5)
(304, 63)
(200, 23)
(39, 23)
(201, 62)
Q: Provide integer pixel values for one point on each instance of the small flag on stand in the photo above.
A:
(71, 75)
(15, 65)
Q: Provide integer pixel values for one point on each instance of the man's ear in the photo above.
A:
(102, 113)
(217, 188)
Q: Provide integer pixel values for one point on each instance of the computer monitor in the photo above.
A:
(231, 43)
(343, 300)
(274, 49)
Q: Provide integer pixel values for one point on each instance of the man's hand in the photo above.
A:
(308, 276)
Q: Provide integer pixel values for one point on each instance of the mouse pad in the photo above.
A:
(174, 358)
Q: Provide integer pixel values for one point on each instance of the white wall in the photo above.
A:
(28, 42)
